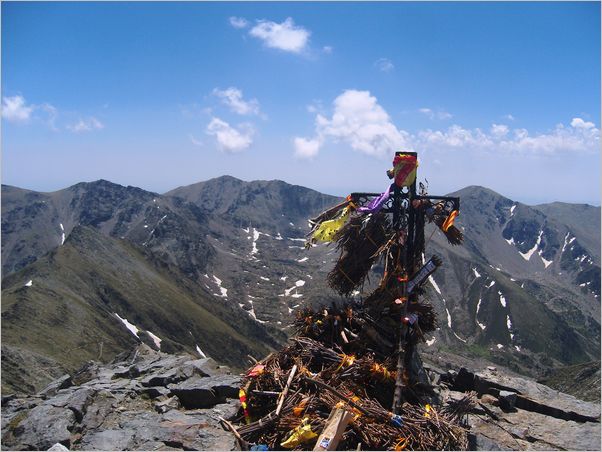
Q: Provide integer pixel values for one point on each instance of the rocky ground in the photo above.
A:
(148, 400)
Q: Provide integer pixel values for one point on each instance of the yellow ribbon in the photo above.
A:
(347, 360)
(328, 229)
(300, 435)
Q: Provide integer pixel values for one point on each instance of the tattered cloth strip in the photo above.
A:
(377, 203)
(328, 229)
(404, 169)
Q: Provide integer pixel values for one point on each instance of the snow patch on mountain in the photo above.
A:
(131, 327)
(526, 256)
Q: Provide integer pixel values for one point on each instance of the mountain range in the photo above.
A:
(218, 268)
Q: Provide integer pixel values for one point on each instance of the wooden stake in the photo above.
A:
(333, 429)
(285, 391)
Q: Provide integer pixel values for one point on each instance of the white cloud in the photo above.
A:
(327, 50)
(285, 36)
(384, 65)
(229, 138)
(307, 148)
(194, 141)
(579, 123)
(509, 117)
(233, 98)
(86, 125)
(439, 114)
(359, 121)
(238, 22)
(15, 109)
(580, 136)
(499, 130)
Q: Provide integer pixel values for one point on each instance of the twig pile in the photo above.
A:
(326, 372)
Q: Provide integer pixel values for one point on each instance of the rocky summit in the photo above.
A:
(149, 400)
(145, 400)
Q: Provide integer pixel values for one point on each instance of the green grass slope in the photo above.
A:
(67, 315)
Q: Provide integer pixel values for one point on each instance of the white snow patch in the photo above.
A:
(264, 278)
(200, 352)
(302, 259)
(246, 230)
(133, 329)
(355, 293)
(283, 278)
(502, 298)
(517, 348)
(296, 295)
(296, 240)
(279, 237)
(224, 291)
(463, 340)
(431, 341)
(482, 326)
(491, 284)
(566, 237)
(63, 233)
(29, 283)
(449, 319)
(546, 262)
(145, 226)
(526, 256)
(291, 224)
(432, 280)
(476, 273)
(156, 339)
(512, 210)
(499, 346)
(296, 247)
(508, 322)
(256, 234)
(300, 283)
(511, 241)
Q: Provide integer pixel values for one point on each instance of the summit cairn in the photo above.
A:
(351, 377)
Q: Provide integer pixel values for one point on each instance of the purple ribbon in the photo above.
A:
(377, 203)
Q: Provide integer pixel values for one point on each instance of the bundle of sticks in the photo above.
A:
(359, 242)
(289, 396)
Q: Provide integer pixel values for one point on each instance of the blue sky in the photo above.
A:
(158, 95)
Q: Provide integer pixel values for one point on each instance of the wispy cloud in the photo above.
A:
(15, 109)
(194, 141)
(233, 98)
(357, 120)
(86, 125)
(327, 49)
(361, 122)
(384, 65)
(238, 22)
(580, 136)
(230, 139)
(509, 117)
(285, 36)
(432, 114)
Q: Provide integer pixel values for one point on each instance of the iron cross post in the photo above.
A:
(407, 209)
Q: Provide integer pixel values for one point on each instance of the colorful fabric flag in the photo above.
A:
(404, 169)
(327, 230)
(377, 203)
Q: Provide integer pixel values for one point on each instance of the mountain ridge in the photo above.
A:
(242, 242)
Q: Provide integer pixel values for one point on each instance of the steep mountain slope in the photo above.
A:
(514, 284)
(96, 296)
(524, 275)
(34, 223)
